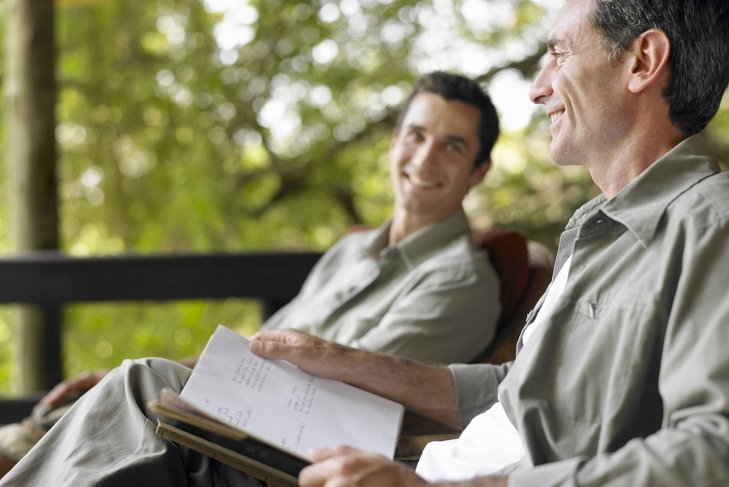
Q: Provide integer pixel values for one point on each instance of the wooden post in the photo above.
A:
(30, 100)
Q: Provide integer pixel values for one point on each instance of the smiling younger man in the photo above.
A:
(432, 156)
(415, 287)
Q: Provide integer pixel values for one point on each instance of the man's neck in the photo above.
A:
(404, 225)
(401, 229)
(615, 169)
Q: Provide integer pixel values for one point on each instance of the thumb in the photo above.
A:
(266, 345)
(258, 347)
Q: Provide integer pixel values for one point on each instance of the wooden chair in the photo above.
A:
(526, 284)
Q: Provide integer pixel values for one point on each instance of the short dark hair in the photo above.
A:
(456, 87)
(699, 61)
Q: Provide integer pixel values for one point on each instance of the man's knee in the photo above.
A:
(154, 373)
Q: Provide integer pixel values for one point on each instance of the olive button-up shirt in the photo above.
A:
(626, 383)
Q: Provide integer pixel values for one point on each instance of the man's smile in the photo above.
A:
(554, 116)
(418, 181)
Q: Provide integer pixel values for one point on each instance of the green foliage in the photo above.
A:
(4, 238)
(528, 192)
(6, 351)
(101, 336)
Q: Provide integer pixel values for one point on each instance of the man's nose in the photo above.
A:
(425, 155)
(541, 88)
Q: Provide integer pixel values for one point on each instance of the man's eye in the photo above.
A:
(558, 56)
(413, 136)
(454, 148)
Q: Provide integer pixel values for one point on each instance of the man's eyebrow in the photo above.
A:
(554, 43)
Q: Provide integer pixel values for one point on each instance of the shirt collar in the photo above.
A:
(641, 204)
(418, 247)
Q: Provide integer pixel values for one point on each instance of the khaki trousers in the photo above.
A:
(107, 439)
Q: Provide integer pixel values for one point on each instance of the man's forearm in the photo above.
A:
(424, 389)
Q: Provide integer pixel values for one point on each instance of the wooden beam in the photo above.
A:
(30, 101)
(51, 278)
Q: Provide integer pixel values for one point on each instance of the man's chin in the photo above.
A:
(560, 156)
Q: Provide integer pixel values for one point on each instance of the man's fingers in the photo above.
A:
(268, 344)
(72, 388)
(331, 464)
(309, 353)
(347, 467)
(284, 344)
(321, 454)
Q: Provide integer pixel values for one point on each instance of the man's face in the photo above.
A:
(432, 157)
(581, 90)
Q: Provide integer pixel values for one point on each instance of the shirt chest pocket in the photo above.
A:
(597, 352)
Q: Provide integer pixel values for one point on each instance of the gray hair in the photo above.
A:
(699, 62)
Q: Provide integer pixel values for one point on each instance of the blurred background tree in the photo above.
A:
(213, 125)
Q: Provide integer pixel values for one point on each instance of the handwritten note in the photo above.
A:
(279, 404)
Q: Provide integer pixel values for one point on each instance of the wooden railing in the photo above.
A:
(49, 280)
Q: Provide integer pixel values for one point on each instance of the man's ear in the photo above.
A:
(649, 66)
(479, 172)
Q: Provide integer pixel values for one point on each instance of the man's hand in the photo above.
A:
(347, 467)
(71, 389)
(309, 353)
(423, 389)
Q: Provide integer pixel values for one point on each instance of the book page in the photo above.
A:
(280, 404)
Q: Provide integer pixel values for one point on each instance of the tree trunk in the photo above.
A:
(30, 99)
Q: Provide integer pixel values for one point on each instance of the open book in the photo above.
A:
(263, 416)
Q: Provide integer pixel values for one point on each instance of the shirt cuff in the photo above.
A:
(476, 388)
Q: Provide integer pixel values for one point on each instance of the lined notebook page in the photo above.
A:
(279, 404)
